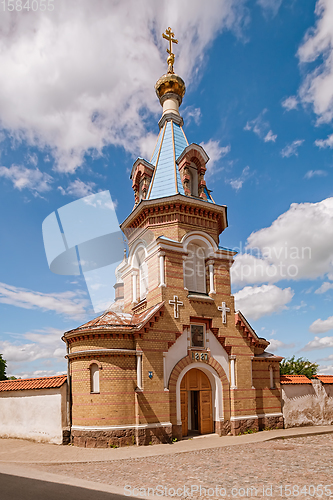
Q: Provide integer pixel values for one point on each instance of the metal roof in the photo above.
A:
(166, 179)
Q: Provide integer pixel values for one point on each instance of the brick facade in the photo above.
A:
(143, 352)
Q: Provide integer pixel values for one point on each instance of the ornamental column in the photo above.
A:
(139, 370)
(162, 269)
(211, 277)
(232, 372)
(134, 286)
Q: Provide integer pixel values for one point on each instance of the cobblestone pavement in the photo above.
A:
(288, 468)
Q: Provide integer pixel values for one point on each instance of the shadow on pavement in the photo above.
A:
(21, 488)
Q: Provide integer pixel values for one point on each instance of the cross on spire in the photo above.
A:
(170, 36)
(175, 303)
(224, 310)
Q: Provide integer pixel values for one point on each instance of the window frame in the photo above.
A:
(194, 276)
(92, 381)
(204, 336)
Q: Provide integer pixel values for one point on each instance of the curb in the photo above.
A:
(186, 446)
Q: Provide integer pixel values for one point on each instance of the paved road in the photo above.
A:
(22, 488)
(239, 467)
(300, 467)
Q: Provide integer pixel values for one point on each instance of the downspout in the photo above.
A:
(69, 393)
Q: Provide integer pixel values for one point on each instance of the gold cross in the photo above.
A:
(168, 35)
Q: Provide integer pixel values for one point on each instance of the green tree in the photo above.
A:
(299, 366)
(3, 366)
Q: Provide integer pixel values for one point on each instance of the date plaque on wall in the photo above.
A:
(200, 356)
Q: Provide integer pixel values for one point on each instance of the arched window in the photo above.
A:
(194, 269)
(143, 274)
(193, 184)
(94, 377)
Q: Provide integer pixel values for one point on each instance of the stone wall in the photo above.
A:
(307, 404)
(38, 414)
(122, 437)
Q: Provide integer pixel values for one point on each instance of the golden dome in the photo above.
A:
(170, 84)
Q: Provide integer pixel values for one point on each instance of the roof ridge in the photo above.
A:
(33, 378)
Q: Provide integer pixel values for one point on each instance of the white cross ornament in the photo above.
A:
(224, 310)
(175, 303)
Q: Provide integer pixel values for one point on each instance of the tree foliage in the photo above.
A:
(299, 366)
(3, 366)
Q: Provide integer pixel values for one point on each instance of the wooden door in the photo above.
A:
(184, 412)
(196, 380)
(205, 412)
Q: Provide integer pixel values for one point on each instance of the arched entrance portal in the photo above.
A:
(196, 403)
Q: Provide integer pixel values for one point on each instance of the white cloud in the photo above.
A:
(270, 137)
(275, 345)
(270, 7)
(68, 303)
(215, 153)
(317, 88)
(27, 178)
(325, 369)
(257, 301)
(191, 113)
(78, 189)
(315, 173)
(297, 245)
(318, 343)
(81, 77)
(37, 373)
(261, 127)
(33, 159)
(322, 326)
(45, 336)
(324, 287)
(29, 352)
(328, 358)
(302, 305)
(292, 149)
(21, 352)
(325, 143)
(290, 103)
(147, 145)
(238, 183)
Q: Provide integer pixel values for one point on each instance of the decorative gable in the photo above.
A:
(192, 167)
(248, 333)
(141, 175)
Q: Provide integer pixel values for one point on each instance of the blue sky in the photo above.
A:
(77, 107)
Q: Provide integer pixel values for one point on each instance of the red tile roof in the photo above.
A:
(33, 383)
(294, 379)
(325, 379)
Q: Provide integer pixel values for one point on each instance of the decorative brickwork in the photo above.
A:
(143, 352)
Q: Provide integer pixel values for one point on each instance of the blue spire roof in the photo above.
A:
(166, 179)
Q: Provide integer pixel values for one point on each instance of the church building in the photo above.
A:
(172, 357)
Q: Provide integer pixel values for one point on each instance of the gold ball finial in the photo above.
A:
(170, 83)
